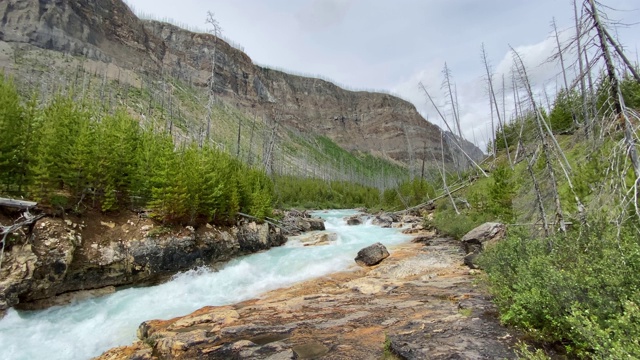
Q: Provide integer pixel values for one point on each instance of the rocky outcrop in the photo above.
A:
(372, 255)
(107, 31)
(477, 239)
(297, 222)
(383, 220)
(61, 260)
(420, 300)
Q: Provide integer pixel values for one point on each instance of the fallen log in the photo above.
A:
(20, 204)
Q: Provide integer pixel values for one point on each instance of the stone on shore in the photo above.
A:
(372, 255)
(476, 240)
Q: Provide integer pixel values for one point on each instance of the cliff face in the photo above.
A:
(107, 31)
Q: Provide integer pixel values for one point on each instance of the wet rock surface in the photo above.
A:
(422, 298)
(354, 220)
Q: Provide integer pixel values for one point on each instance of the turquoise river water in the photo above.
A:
(87, 328)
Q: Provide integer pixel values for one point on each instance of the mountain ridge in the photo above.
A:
(109, 31)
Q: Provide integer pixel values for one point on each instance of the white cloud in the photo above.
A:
(473, 95)
(322, 14)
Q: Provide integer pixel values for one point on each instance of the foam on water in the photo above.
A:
(87, 328)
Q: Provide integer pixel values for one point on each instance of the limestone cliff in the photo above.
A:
(108, 31)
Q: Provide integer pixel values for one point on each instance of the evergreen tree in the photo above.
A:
(16, 134)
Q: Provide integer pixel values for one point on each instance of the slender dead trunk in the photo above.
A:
(456, 142)
(545, 145)
(494, 102)
(444, 176)
(238, 140)
(560, 54)
(447, 74)
(536, 187)
(610, 67)
(253, 126)
(583, 92)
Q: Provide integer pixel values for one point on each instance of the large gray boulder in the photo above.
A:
(354, 220)
(476, 240)
(372, 255)
(297, 222)
(383, 220)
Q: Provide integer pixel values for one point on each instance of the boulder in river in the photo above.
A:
(372, 255)
(383, 220)
(354, 220)
(477, 239)
(297, 222)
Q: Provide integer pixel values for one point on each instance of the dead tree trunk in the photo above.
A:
(583, 91)
(494, 101)
(542, 135)
(456, 142)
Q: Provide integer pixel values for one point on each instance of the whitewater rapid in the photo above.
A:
(87, 328)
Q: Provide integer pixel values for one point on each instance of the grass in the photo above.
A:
(387, 352)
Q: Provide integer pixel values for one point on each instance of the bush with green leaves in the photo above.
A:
(581, 289)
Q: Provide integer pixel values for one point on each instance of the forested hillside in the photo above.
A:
(73, 155)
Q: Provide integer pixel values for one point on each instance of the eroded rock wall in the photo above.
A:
(59, 259)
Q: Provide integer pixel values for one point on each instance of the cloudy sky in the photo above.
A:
(392, 45)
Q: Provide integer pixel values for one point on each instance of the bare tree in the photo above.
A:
(583, 92)
(447, 83)
(216, 31)
(494, 102)
(615, 92)
(456, 141)
(541, 133)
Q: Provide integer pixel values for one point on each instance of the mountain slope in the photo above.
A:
(108, 32)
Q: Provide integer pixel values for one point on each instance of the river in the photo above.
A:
(87, 328)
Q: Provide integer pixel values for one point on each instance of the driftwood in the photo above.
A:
(29, 220)
(19, 204)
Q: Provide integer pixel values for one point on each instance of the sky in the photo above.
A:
(393, 45)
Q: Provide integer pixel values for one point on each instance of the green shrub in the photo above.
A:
(581, 288)
(565, 107)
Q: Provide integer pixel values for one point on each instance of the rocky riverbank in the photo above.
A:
(422, 302)
(75, 258)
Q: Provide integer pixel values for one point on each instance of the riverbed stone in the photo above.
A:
(372, 255)
(319, 239)
(383, 220)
